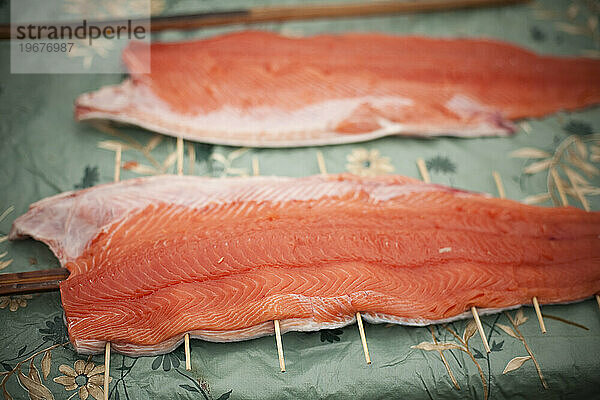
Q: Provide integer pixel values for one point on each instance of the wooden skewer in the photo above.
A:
(107, 349)
(321, 162)
(499, 185)
(480, 329)
(106, 369)
(256, 172)
(538, 312)
(186, 337)
(279, 345)
(287, 13)
(361, 330)
(188, 358)
(536, 305)
(363, 338)
(423, 170)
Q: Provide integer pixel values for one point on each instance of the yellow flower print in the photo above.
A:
(14, 302)
(86, 378)
(368, 163)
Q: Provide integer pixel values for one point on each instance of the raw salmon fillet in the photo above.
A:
(265, 90)
(154, 258)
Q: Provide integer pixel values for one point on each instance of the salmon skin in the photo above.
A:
(154, 258)
(261, 89)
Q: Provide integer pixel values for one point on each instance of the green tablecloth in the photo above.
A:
(44, 152)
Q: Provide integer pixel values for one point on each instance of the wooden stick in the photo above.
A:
(598, 299)
(536, 305)
(321, 162)
(363, 338)
(179, 156)
(117, 164)
(480, 329)
(285, 13)
(33, 281)
(107, 350)
(255, 166)
(186, 337)
(423, 170)
(279, 345)
(106, 369)
(499, 185)
(188, 357)
(538, 312)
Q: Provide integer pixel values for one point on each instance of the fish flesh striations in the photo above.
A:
(154, 258)
(265, 90)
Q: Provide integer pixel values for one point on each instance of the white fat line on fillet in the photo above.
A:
(270, 126)
(327, 137)
(91, 346)
(253, 122)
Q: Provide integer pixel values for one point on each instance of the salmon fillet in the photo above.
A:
(154, 258)
(265, 90)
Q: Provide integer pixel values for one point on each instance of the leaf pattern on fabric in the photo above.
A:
(537, 34)
(89, 179)
(515, 363)
(172, 359)
(35, 390)
(331, 335)
(580, 128)
(55, 331)
(428, 346)
(565, 167)
(470, 330)
(441, 164)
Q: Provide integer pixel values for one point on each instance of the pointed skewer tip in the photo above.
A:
(188, 356)
(321, 162)
(106, 369)
(480, 329)
(363, 337)
(423, 170)
(538, 312)
(279, 345)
